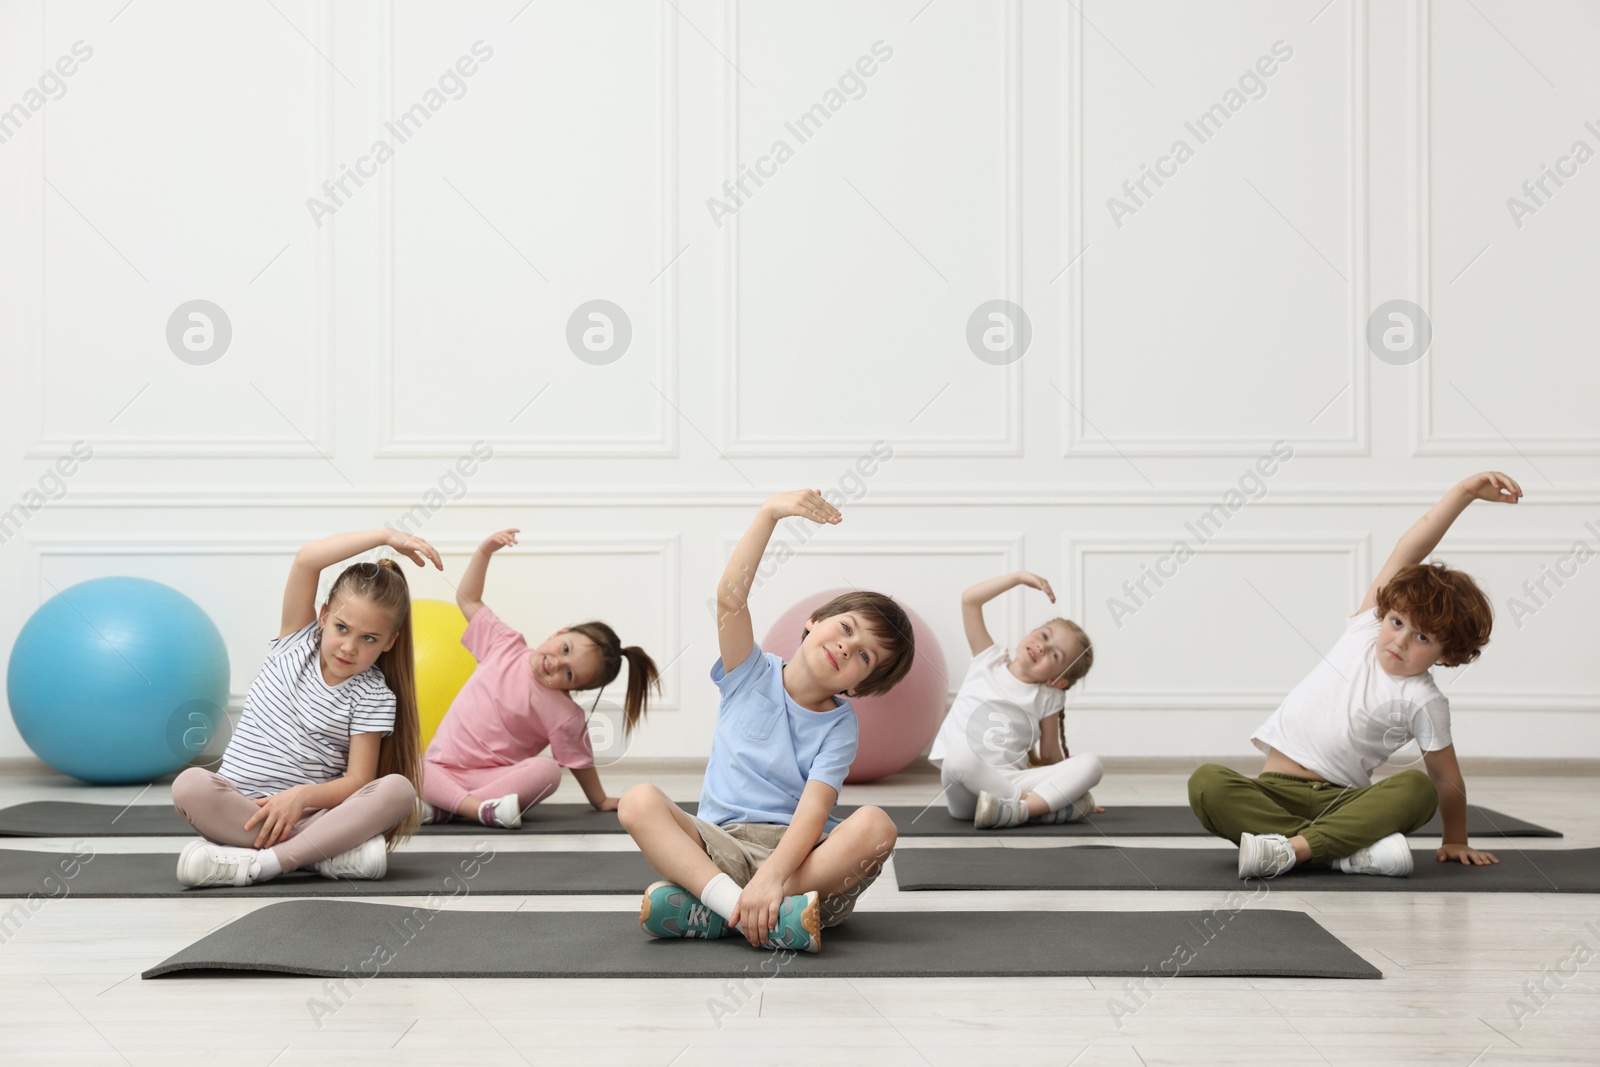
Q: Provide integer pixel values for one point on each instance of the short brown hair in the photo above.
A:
(1447, 605)
(889, 622)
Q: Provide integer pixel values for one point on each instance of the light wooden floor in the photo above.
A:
(70, 991)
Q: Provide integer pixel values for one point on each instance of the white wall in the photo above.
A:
(1171, 346)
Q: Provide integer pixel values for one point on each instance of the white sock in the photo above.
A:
(268, 865)
(721, 895)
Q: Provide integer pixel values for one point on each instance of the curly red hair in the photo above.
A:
(1447, 605)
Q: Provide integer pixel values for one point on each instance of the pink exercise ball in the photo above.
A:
(895, 726)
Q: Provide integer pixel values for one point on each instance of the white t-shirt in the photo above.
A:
(997, 711)
(296, 728)
(1349, 715)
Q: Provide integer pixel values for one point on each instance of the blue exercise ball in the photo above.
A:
(118, 680)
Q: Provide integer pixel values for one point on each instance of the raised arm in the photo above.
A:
(735, 637)
(1426, 532)
(973, 600)
(469, 594)
(300, 592)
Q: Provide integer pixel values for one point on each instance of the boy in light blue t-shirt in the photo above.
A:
(766, 857)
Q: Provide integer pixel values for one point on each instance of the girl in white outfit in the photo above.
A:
(985, 747)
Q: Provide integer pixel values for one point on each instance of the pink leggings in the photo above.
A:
(215, 807)
(532, 780)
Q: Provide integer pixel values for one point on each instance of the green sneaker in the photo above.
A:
(670, 910)
(799, 924)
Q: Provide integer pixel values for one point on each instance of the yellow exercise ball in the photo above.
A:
(443, 665)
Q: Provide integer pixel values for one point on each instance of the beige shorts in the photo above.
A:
(738, 848)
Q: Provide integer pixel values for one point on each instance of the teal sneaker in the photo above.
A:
(670, 910)
(799, 926)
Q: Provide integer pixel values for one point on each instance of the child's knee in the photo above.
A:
(1416, 790)
(1092, 767)
(959, 762)
(1415, 782)
(636, 802)
(877, 830)
(396, 793)
(1206, 776)
(190, 786)
(547, 771)
(883, 827)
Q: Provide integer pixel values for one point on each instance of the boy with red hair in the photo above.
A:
(1315, 799)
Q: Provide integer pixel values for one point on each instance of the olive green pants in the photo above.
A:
(1335, 820)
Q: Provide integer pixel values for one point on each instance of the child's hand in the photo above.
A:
(804, 504)
(496, 541)
(414, 548)
(608, 804)
(1033, 581)
(276, 817)
(1492, 485)
(756, 913)
(1456, 850)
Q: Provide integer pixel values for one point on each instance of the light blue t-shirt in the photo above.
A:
(767, 747)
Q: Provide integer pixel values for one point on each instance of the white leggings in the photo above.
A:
(964, 775)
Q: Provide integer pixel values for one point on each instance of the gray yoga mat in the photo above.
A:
(350, 940)
(1151, 820)
(56, 818)
(1112, 867)
(66, 818)
(58, 874)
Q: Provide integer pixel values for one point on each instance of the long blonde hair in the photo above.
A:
(1075, 670)
(384, 585)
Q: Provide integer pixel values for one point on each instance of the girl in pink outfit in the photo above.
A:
(486, 761)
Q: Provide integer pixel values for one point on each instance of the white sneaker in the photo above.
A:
(432, 815)
(1077, 811)
(1264, 855)
(1389, 855)
(997, 813)
(503, 813)
(370, 860)
(203, 863)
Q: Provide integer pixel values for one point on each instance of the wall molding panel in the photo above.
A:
(394, 444)
(786, 331)
(738, 442)
(1080, 437)
(295, 444)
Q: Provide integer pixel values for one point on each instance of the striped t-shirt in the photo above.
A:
(296, 728)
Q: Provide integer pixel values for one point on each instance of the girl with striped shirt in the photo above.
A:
(323, 768)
